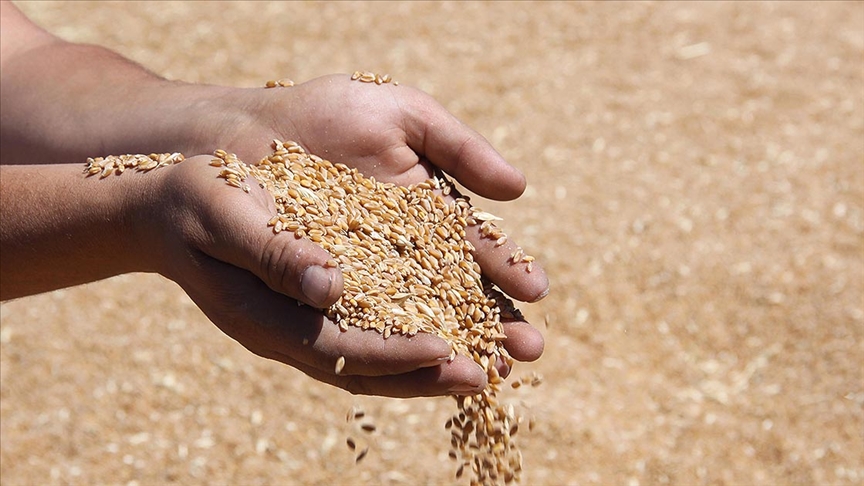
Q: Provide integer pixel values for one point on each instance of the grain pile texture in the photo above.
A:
(696, 194)
(407, 268)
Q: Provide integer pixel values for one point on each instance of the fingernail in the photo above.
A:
(435, 362)
(466, 389)
(502, 367)
(315, 285)
(541, 296)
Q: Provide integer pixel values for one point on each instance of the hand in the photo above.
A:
(394, 133)
(385, 131)
(214, 242)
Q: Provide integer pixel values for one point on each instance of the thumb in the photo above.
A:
(298, 268)
(436, 134)
(288, 264)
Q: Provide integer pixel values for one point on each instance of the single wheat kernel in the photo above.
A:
(484, 216)
(340, 364)
(517, 255)
(361, 455)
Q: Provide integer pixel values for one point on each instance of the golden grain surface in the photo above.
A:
(407, 268)
(696, 192)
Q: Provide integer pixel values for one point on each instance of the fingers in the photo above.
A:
(518, 279)
(459, 150)
(366, 352)
(294, 266)
(460, 377)
(524, 342)
(288, 264)
(513, 278)
(275, 326)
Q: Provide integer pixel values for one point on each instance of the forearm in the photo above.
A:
(63, 102)
(58, 228)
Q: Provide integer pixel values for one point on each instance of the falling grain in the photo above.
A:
(361, 455)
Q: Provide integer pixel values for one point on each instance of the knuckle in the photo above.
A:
(278, 266)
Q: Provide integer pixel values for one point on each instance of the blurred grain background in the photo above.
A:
(696, 191)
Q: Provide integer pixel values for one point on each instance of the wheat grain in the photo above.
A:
(407, 268)
(370, 77)
(117, 164)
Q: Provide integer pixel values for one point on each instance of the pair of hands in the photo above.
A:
(63, 102)
(247, 279)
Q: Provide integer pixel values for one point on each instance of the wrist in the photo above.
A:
(105, 105)
(133, 207)
(169, 218)
(171, 116)
(237, 120)
(137, 223)
(61, 228)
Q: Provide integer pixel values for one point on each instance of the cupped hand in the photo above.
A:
(385, 131)
(214, 242)
(393, 133)
(396, 134)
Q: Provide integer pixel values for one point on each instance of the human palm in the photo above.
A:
(385, 131)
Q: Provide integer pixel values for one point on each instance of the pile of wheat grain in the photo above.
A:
(407, 268)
